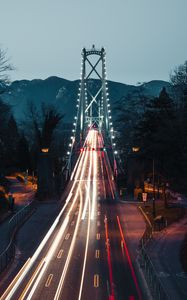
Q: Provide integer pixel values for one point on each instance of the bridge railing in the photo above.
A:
(153, 281)
(17, 220)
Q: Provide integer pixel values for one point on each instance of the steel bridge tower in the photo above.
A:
(93, 107)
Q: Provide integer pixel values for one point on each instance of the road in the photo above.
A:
(84, 255)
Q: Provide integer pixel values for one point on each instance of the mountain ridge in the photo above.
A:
(63, 93)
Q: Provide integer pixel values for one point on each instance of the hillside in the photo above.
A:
(63, 94)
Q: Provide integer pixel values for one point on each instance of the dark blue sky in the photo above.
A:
(144, 39)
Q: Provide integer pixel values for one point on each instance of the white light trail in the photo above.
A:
(94, 193)
(48, 235)
(60, 233)
(86, 252)
(89, 178)
(60, 285)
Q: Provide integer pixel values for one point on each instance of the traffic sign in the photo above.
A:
(144, 197)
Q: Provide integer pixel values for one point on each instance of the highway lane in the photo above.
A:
(59, 226)
(84, 257)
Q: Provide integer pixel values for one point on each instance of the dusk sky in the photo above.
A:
(144, 39)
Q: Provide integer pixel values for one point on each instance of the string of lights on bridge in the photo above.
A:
(75, 120)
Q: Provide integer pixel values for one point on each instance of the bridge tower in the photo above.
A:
(93, 107)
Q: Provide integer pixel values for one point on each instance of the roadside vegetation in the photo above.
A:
(157, 129)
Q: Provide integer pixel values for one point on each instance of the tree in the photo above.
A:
(44, 136)
(179, 76)
(4, 67)
(155, 132)
(23, 154)
(178, 79)
(11, 140)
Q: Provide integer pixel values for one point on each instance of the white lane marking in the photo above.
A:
(62, 278)
(98, 236)
(67, 236)
(48, 281)
(59, 255)
(97, 253)
(57, 240)
(86, 250)
(96, 280)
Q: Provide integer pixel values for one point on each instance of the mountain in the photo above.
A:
(63, 94)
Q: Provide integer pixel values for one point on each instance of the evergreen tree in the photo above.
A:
(23, 154)
(154, 133)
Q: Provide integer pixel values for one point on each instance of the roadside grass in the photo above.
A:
(170, 214)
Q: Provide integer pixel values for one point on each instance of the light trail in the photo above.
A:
(78, 160)
(14, 280)
(94, 193)
(46, 238)
(86, 252)
(47, 259)
(61, 282)
(129, 260)
(109, 179)
(109, 259)
(60, 233)
(89, 182)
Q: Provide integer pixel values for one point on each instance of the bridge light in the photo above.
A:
(68, 153)
(70, 145)
(113, 137)
(109, 111)
(111, 130)
(75, 117)
(108, 105)
(73, 130)
(110, 117)
(72, 137)
(114, 144)
(110, 123)
(74, 124)
(115, 152)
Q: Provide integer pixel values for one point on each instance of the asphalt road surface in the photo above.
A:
(84, 254)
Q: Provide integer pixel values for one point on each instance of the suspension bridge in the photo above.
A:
(84, 254)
